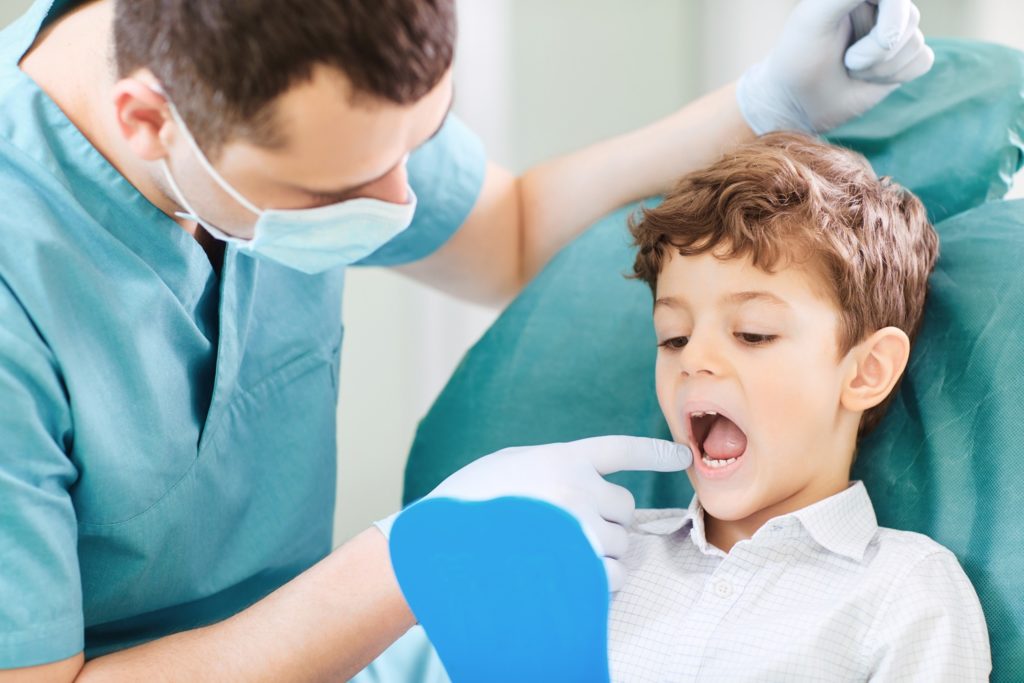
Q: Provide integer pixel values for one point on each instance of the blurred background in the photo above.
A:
(537, 78)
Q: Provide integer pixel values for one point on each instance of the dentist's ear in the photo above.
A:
(879, 361)
(142, 116)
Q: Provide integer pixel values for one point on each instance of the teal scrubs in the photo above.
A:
(167, 433)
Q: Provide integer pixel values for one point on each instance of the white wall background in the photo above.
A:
(537, 78)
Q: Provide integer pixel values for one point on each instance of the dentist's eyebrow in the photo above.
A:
(341, 195)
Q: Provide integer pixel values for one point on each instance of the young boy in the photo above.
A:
(789, 282)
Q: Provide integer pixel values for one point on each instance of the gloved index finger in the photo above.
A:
(619, 453)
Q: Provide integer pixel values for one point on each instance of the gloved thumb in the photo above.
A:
(828, 13)
(617, 453)
(895, 18)
(879, 37)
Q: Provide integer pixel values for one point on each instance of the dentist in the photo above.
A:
(184, 184)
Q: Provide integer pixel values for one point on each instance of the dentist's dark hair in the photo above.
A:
(224, 62)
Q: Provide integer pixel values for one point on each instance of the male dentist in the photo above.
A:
(184, 183)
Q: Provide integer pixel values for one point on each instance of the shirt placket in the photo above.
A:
(722, 589)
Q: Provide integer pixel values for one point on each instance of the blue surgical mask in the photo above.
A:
(309, 240)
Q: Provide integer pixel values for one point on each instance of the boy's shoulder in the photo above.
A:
(907, 550)
(909, 543)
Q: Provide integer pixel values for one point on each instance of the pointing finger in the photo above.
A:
(618, 453)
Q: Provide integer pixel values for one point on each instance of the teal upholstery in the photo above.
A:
(573, 355)
(954, 135)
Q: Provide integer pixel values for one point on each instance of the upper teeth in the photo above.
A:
(702, 413)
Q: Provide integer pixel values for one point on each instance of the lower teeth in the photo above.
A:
(712, 463)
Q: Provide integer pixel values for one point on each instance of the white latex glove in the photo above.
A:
(569, 475)
(835, 60)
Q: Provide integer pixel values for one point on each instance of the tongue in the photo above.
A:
(725, 440)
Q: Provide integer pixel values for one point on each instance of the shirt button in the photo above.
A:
(723, 589)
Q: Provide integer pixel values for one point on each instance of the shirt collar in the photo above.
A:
(689, 521)
(843, 523)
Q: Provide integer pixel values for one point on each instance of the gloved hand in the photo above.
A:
(569, 475)
(835, 60)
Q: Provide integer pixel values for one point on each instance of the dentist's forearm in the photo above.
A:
(325, 625)
(519, 223)
(561, 197)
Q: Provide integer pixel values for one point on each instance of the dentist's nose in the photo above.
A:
(393, 187)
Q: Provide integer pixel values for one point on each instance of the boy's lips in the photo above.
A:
(716, 439)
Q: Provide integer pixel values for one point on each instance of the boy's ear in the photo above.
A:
(879, 362)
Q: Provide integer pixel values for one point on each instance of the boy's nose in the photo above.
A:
(699, 357)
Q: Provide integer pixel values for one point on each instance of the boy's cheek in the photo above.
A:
(678, 433)
(666, 401)
(677, 429)
(785, 421)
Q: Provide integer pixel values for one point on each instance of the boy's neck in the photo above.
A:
(724, 534)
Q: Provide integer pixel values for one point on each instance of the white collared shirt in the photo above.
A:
(821, 594)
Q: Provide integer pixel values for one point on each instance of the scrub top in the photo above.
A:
(167, 433)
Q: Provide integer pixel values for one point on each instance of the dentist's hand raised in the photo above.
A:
(834, 60)
(570, 475)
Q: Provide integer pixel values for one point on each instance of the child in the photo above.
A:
(789, 282)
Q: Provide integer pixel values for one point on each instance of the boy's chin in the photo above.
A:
(727, 506)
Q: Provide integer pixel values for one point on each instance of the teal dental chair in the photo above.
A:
(573, 355)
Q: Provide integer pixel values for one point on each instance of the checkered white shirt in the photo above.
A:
(821, 594)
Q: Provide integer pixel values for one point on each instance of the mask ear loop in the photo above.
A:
(203, 161)
(191, 214)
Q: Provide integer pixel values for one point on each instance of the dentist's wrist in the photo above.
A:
(384, 525)
(766, 105)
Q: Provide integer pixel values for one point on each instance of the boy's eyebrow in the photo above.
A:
(744, 297)
(670, 301)
(735, 298)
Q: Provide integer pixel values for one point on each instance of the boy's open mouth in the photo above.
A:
(719, 440)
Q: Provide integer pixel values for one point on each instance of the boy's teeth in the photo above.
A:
(717, 463)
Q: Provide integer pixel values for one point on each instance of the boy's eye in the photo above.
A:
(755, 339)
(674, 343)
